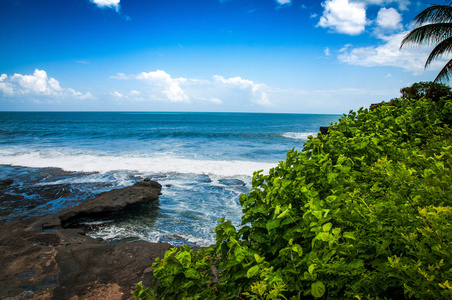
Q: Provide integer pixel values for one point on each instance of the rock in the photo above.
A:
(324, 130)
(6, 182)
(41, 259)
(112, 201)
(232, 182)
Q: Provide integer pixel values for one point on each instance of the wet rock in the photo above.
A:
(42, 260)
(236, 182)
(324, 130)
(112, 201)
(6, 182)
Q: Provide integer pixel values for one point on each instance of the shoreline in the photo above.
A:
(51, 258)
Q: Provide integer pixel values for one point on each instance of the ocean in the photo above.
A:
(204, 161)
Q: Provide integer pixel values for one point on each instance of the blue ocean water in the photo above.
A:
(203, 160)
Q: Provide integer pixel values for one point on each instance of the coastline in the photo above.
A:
(51, 257)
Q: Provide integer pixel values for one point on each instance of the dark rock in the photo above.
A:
(42, 260)
(324, 130)
(112, 201)
(6, 182)
(13, 199)
(232, 182)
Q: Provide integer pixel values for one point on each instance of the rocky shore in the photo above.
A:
(52, 257)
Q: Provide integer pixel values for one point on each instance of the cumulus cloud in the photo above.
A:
(107, 3)
(259, 96)
(349, 16)
(389, 54)
(219, 90)
(389, 19)
(36, 84)
(170, 86)
(343, 16)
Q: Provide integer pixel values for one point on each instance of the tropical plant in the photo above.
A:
(435, 27)
(432, 90)
(364, 212)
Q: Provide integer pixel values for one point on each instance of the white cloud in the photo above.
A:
(327, 51)
(37, 84)
(117, 94)
(119, 76)
(345, 48)
(218, 90)
(390, 54)
(349, 16)
(216, 101)
(284, 2)
(343, 16)
(170, 87)
(107, 3)
(259, 96)
(389, 19)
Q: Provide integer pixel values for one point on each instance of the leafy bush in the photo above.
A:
(361, 213)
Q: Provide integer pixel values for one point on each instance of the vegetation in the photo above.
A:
(418, 90)
(431, 90)
(435, 27)
(361, 213)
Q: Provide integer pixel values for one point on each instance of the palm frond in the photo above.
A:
(434, 14)
(441, 49)
(428, 34)
(445, 74)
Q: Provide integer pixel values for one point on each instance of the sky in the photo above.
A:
(277, 56)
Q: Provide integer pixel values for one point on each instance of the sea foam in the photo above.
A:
(298, 135)
(142, 164)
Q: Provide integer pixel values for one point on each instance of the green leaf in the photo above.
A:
(272, 224)
(192, 273)
(317, 289)
(297, 248)
(323, 236)
(311, 269)
(349, 235)
(184, 258)
(326, 227)
(258, 258)
(239, 254)
(252, 271)
(283, 214)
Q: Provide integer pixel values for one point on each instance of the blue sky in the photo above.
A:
(290, 56)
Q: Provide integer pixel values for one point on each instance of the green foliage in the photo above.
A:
(433, 27)
(437, 92)
(361, 213)
(431, 90)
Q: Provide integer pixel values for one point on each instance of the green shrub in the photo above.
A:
(361, 213)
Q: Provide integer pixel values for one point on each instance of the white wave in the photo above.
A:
(299, 135)
(116, 233)
(143, 164)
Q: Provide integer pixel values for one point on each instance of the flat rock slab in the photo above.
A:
(42, 260)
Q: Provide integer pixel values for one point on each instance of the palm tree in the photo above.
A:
(435, 27)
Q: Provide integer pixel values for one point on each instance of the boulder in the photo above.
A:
(42, 259)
